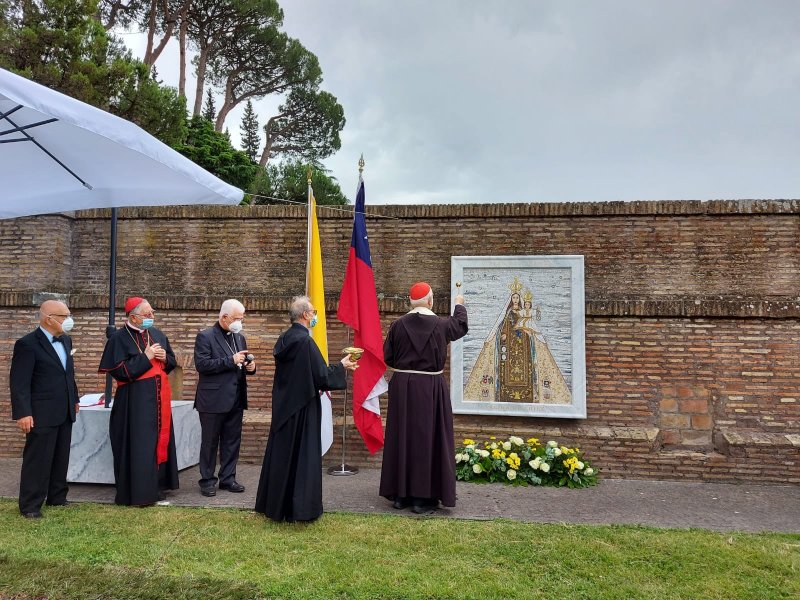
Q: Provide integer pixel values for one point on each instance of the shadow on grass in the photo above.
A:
(22, 579)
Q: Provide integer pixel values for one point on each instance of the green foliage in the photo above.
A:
(249, 129)
(255, 58)
(156, 108)
(210, 107)
(60, 44)
(213, 151)
(63, 44)
(517, 462)
(307, 126)
(289, 181)
(112, 552)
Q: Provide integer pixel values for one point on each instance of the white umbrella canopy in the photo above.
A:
(60, 154)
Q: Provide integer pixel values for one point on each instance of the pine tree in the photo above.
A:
(210, 108)
(249, 128)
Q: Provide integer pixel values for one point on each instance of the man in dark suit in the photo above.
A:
(220, 357)
(44, 400)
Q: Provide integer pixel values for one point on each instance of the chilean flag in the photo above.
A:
(358, 308)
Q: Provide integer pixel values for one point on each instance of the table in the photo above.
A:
(90, 457)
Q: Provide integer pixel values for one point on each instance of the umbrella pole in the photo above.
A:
(112, 294)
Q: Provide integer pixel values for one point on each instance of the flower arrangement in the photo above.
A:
(518, 462)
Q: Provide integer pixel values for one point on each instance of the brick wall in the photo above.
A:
(692, 311)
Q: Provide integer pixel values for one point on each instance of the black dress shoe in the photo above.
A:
(423, 509)
(209, 491)
(400, 503)
(32, 515)
(235, 487)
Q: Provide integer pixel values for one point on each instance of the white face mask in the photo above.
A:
(235, 327)
(67, 325)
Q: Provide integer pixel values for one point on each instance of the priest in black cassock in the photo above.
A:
(139, 357)
(419, 451)
(290, 487)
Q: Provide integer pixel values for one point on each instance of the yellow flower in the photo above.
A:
(533, 441)
(491, 437)
(468, 441)
(496, 453)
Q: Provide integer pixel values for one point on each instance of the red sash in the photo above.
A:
(164, 397)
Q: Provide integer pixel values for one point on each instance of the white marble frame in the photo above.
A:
(576, 410)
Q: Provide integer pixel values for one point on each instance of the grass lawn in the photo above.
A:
(101, 551)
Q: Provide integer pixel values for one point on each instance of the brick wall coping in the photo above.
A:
(742, 437)
(769, 307)
(648, 435)
(450, 211)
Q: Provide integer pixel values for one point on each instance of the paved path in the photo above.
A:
(722, 507)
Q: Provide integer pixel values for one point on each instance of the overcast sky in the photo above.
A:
(531, 101)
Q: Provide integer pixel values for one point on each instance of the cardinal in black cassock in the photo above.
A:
(139, 357)
(419, 454)
(290, 487)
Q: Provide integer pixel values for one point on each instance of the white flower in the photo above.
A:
(552, 444)
(580, 465)
(589, 471)
(517, 441)
(459, 458)
(511, 474)
(470, 446)
(493, 446)
(506, 446)
(556, 451)
(477, 468)
(535, 463)
(483, 453)
(545, 468)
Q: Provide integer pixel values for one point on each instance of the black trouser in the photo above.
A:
(45, 460)
(223, 432)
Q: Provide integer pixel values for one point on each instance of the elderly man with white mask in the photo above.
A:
(224, 364)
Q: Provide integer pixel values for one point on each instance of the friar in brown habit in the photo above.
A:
(418, 455)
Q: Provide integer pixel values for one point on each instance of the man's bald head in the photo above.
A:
(52, 307)
(52, 314)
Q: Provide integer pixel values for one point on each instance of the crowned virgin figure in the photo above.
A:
(515, 363)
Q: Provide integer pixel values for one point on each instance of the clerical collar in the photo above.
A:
(134, 327)
(421, 310)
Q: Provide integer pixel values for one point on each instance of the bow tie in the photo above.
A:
(58, 338)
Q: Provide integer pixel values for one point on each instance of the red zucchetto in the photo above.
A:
(132, 303)
(419, 290)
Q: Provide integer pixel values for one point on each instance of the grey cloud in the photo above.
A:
(467, 101)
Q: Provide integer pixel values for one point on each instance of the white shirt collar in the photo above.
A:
(132, 326)
(421, 310)
(49, 335)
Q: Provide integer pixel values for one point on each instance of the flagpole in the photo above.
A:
(308, 233)
(344, 468)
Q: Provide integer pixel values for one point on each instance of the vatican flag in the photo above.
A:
(315, 290)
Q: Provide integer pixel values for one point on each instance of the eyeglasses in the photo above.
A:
(313, 312)
(149, 315)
